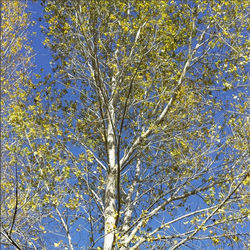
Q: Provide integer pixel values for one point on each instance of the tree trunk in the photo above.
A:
(110, 192)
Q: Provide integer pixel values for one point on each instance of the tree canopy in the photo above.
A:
(139, 137)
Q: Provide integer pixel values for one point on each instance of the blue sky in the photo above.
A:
(42, 60)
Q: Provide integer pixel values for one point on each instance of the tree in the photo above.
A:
(135, 143)
(19, 214)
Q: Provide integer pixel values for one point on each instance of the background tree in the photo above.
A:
(139, 138)
(20, 217)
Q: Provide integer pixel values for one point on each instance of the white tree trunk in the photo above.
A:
(110, 192)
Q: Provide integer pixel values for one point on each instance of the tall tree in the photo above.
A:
(138, 94)
(140, 135)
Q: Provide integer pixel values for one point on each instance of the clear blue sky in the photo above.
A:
(42, 60)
